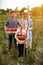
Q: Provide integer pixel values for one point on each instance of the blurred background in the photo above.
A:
(35, 8)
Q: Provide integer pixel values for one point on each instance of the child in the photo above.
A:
(21, 43)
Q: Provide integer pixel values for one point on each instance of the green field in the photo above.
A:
(37, 41)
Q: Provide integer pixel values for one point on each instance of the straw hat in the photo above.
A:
(12, 11)
(25, 11)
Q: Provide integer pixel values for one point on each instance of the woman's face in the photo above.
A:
(25, 15)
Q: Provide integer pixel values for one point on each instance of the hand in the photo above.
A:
(30, 28)
(21, 41)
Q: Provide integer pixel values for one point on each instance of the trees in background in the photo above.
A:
(36, 11)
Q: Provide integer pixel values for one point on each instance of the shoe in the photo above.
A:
(20, 59)
(18, 63)
(8, 53)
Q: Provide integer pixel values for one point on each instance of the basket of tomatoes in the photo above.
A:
(21, 37)
(11, 29)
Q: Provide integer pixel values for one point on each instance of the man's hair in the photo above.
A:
(12, 12)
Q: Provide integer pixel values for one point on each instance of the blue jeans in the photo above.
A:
(10, 40)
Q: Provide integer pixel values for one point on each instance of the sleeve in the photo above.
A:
(27, 35)
(31, 23)
(18, 22)
(7, 22)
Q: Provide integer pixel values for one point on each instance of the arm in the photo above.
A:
(16, 37)
(30, 28)
(19, 23)
(6, 25)
(30, 25)
(5, 28)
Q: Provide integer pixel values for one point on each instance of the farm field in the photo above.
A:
(7, 59)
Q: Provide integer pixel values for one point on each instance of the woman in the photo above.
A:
(28, 24)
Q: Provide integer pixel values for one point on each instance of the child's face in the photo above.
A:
(25, 16)
(23, 25)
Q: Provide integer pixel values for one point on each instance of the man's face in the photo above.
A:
(13, 14)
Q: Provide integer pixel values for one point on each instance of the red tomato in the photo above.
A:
(10, 29)
(21, 37)
(14, 29)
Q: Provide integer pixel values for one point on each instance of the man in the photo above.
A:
(29, 25)
(12, 22)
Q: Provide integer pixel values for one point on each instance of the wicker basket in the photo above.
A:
(21, 37)
(11, 29)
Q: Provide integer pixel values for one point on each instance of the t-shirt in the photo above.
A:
(26, 24)
(23, 31)
(12, 23)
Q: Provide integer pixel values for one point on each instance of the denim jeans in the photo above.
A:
(30, 39)
(10, 40)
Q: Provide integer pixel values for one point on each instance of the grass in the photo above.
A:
(37, 32)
